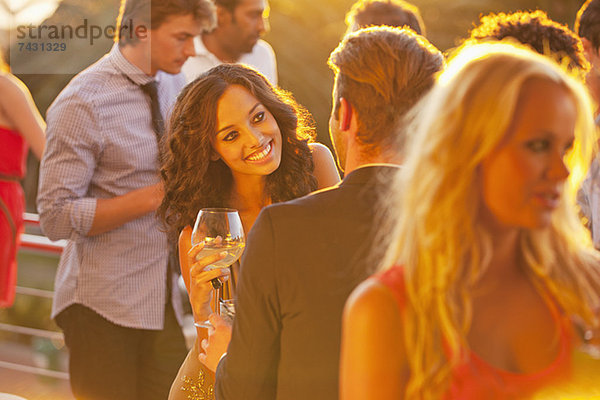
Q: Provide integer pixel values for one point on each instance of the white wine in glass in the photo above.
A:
(220, 229)
(234, 251)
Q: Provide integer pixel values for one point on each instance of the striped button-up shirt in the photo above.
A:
(100, 145)
(588, 197)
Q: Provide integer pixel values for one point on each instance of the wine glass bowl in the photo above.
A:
(220, 230)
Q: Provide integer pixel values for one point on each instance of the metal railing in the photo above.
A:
(39, 242)
(36, 243)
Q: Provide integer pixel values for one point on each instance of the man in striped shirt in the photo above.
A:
(99, 188)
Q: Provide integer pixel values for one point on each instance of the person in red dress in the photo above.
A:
(490, 263)
(21, 127)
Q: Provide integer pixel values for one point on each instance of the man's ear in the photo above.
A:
(223, 16)
(588, 49)
(345, 113)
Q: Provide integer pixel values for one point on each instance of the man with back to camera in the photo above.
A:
(115, 297)
(304, 257)
(235, 38)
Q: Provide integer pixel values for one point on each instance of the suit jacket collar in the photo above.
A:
(370, 174)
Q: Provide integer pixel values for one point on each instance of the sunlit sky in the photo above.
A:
(25, 12)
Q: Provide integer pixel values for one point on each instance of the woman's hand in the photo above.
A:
(197, 280)
(200, 285)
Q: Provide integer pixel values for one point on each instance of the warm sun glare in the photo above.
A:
(24, 12)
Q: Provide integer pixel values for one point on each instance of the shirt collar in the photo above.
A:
(131, 71)
(202, 51)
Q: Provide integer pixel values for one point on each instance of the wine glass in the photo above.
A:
(220, 229)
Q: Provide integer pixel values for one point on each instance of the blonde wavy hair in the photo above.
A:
(435, 208)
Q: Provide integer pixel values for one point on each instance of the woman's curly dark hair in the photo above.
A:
(193, 181)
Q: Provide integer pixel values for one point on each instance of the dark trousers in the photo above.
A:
(111, 362)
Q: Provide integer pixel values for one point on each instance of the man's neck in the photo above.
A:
(138, 56)
(356, 159)
(213, 44)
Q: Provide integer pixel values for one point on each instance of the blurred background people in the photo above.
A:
(99, 188)
(235, 141)
(587, 26)
(489, 260)
(21, 128)
(304, 257)
(536, 30)
(235, 39)
(395, 13)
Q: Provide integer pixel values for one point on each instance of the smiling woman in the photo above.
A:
(234, 141)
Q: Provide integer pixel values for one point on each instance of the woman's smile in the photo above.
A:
(261, 154)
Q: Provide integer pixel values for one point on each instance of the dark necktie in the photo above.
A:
(159, 128)
(157, 119)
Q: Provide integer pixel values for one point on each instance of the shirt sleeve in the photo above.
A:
(66, 170)
(270, 64)
(585, 196)
(273, 73)
(584, 203)
(249, 370)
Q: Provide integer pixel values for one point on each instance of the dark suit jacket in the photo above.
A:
(302, 260)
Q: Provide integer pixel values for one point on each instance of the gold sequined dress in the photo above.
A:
(194, 381)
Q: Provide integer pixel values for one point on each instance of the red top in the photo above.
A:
(476, 379)
(13, 153)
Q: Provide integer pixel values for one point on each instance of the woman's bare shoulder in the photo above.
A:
(372, 299)
(9, 82)
(373, 362)
(325, 168)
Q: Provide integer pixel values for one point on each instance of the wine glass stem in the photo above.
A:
(217, 301)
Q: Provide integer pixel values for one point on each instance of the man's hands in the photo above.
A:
(215, 346)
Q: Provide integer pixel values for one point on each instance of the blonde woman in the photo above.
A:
(490, 262)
